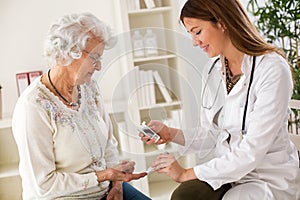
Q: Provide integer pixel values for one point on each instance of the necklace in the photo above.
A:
(230, 80)
(72, 104)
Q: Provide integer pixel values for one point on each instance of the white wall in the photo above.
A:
(23, 26)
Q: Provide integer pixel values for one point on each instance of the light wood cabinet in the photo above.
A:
(10, 181)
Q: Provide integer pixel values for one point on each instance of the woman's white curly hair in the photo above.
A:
(67, 37)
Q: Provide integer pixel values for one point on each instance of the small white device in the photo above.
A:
(146, 130)
(150, 170)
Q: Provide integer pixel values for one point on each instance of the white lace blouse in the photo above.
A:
(60, 149)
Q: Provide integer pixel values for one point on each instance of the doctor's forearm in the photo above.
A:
(176, 136)
(187, 175)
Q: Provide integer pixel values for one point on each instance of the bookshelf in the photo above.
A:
(126, 110)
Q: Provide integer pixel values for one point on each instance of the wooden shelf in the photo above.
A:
(9, 170)
(149, 11)
(153, 58)
(159, 105)
(5, 122)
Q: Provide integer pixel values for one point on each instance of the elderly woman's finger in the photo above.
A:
(130, 177)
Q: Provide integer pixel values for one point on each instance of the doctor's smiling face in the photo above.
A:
(208, 35)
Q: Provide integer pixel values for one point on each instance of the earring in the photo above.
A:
(75, 53)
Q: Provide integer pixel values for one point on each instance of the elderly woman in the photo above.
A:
(64, 135)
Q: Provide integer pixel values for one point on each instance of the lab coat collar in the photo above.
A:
(245, 78)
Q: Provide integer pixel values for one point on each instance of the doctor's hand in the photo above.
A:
(161, 129)
(166, 163)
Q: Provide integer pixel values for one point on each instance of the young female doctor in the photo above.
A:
(243, 114)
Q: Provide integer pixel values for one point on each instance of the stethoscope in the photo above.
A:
(209, 106)
(243, 131)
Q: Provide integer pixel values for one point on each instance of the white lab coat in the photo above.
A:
(264, 164)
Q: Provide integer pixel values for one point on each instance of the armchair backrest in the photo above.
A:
(294, 123)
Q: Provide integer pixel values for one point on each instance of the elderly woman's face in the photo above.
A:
(90, 60)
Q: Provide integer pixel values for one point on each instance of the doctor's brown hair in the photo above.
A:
(231, 14)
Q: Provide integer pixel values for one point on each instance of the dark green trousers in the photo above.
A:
(198, 190)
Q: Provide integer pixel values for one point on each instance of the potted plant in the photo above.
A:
(279, 21)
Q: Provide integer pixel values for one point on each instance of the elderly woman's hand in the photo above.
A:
(116, 191)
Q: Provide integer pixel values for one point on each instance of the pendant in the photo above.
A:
(73, 104)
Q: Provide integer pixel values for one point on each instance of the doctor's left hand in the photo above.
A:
(166, 163)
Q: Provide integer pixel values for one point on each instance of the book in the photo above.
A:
(137, 89)
(137, 4)
(145, 81)
(149, 3)
(162, 87)
(145, 87)
(144, 95)
(151, 87)
(25, 78)
(22, 82)
(34, 75)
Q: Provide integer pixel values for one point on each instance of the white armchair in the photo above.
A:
(294, 124)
